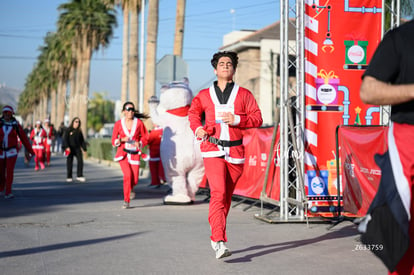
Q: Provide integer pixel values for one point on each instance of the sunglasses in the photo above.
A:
(130, 109)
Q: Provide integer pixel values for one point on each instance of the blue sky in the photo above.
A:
(24, 24)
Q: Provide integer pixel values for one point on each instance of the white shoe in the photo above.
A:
(69, 180)
(125, 205)
(178, 199)
(132, 195)
(213, 245)
(221, 250)
(81, 179)
(9, 196)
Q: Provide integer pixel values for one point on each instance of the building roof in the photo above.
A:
(253, 40)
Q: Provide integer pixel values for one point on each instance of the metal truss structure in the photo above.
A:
(291, 113)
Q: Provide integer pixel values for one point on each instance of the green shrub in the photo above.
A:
(101, 149)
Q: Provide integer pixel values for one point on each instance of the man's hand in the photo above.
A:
(201, 133)
(228, 118)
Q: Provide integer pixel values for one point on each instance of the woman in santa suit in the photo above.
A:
(38, 137)
(10, 133)
(49, 137)
(129, 136)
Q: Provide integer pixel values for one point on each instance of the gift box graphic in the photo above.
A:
(355, 52)
(317, 185)
(327, 88)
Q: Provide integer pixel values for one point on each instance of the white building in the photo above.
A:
(257, 70)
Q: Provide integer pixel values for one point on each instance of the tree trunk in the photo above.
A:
(84, 88)
(125, 43)
(61, 102)
(133, 55)
(45, 113)
(179, 28)
(74, 91)
(53, 106)
(150, 67)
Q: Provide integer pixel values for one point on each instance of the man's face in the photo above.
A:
(225, 69)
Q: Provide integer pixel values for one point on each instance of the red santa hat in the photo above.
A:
(8, 108)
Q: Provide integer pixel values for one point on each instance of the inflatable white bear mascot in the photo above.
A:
(180, 155)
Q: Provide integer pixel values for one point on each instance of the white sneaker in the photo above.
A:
(221, 250)
(69, 180)
(81, 179)
(213, 245)
(125, 205)
(9, 196)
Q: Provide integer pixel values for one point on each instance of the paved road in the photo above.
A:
(52, 227)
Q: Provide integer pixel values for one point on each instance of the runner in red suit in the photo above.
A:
(155, 164)
(48, 143)
(129, 136)
(10, 134)
(38, 137)
(228, 110)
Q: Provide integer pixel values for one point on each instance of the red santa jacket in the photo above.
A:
(138, 133)
(49, 136)
(154, 141)
(10, 139)
(247, 115)
(38, 137)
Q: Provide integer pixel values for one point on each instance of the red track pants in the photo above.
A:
(157, 172)
(131, 174)
(48, 153)
(7, 173)
(222, 177)
(39, 158)
(404, 136)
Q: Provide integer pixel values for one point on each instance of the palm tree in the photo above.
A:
(59, 60)
(152, 38)
(179, 28)
(130, 10)
(134, 6)
(407, 7)
(90, 24)
(28, 99)
(51, 53)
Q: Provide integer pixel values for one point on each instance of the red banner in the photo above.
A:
(257, 144)
(340, 38)
(360, 173)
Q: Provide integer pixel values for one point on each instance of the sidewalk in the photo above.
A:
(54, 227)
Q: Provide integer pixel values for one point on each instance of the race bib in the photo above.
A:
(38, 139)
(220, 110)
(130, 146)
(49, 141)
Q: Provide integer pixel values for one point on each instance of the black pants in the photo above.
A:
(69, 163)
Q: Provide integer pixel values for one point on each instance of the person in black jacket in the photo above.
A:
(73, 143)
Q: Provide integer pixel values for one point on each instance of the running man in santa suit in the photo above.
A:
(10, 133)
(228, 110)
(38, 137)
